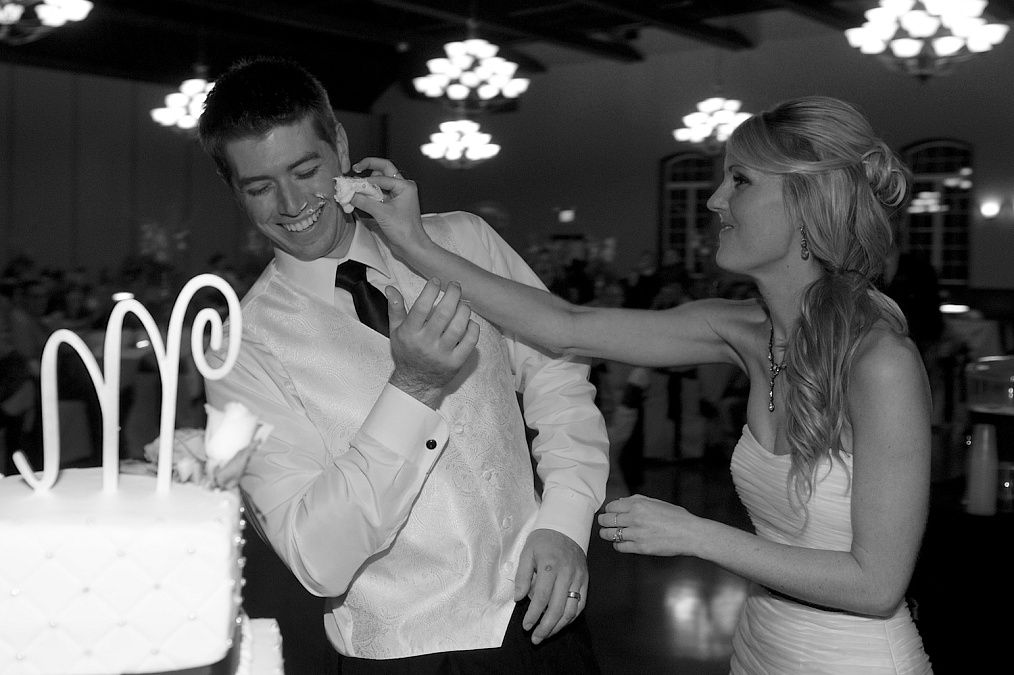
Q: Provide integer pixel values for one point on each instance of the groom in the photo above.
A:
(398, 481)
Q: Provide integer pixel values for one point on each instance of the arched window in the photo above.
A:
(937, 223)
(687, 180)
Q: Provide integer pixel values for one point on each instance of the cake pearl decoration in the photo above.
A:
(107, 379)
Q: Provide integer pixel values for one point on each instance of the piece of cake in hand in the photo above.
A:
(345, 187)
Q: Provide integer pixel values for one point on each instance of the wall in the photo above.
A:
(591, 135)
(83, 167)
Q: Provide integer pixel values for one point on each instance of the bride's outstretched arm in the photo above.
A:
(499, 300)
(684, 335)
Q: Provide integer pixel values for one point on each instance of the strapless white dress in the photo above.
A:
(778, 636)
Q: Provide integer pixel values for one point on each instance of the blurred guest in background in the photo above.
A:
(644, 282)
(911, 282)
(18, 397)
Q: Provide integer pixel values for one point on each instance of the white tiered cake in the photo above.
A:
(103, 573)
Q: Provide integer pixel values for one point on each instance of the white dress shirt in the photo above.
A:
(409, 520)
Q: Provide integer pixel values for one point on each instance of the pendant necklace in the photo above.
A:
(775, 368)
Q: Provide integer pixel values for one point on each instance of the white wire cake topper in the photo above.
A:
(107, 380)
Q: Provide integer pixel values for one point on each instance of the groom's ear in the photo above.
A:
(342, 147)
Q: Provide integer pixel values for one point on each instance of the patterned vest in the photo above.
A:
(447, 582)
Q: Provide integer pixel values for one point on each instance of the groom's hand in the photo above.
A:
(551, 566)
(431, 341)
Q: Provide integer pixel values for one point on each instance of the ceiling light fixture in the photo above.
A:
(712, 124)
(926, 38)
(471, 77)
(23, 21)
(460, 145)
(184, 107)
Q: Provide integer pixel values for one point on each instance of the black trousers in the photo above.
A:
(569, 651)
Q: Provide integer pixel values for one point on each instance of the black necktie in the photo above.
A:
(370, 301)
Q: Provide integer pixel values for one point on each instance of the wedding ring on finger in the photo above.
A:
(618, 535)
(575, 595)
(616, 520)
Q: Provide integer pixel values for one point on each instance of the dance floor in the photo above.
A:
(668, 615)
(677, 615)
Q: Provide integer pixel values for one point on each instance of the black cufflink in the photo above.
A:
(431, 444)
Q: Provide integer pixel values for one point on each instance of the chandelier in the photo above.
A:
(184, 107)
(460, 145)
(22, 21)
(926, 37)
(712, 124)
(471, 78)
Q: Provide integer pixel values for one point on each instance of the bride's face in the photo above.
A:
(757, 231)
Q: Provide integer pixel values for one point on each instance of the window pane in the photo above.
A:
(938, 215)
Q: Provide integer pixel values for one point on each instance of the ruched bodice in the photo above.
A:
(778, 636)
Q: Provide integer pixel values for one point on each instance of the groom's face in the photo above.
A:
(284, 180)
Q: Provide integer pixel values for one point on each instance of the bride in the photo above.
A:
(833, 463)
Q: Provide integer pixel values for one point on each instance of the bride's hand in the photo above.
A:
(398, 215)
(377, 166)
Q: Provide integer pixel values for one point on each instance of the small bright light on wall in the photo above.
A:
(990, 208)
(184, 107)
(949, 308)
(460, 145)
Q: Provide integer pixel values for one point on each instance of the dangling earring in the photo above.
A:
(804, 253)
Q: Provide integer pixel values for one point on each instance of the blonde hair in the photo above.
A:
(842, 185)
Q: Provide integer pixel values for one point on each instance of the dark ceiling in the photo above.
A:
(361, 47)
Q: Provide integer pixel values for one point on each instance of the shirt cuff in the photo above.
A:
(405, 426)
(567, 512)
